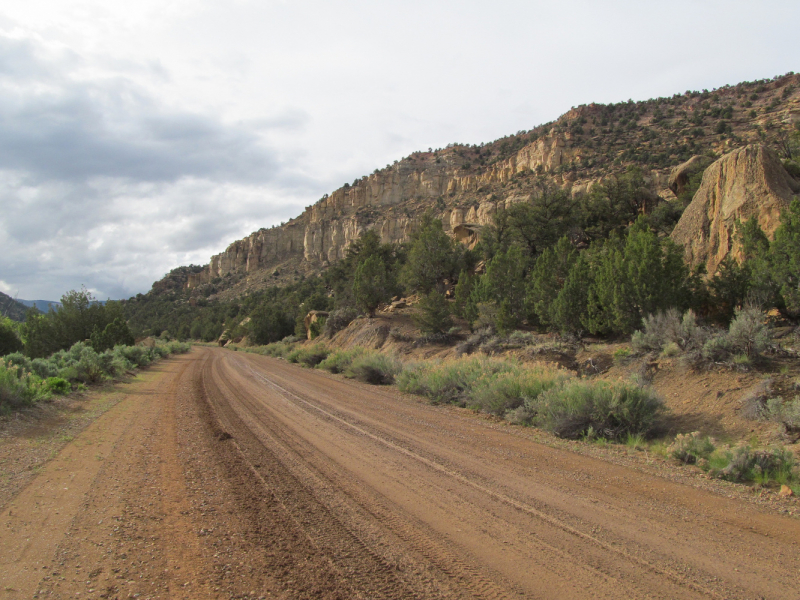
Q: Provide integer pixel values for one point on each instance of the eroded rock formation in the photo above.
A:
(747, 183)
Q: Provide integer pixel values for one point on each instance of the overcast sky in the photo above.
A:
(139, 136)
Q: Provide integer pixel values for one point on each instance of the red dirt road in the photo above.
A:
(233, 475)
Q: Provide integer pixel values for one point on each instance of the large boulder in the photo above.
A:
(680, 175)
(748, 182)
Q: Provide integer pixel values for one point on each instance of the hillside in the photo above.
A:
(11, 308)
(464, 185)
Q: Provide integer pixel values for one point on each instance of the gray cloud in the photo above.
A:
(103, 185)
(56, 125)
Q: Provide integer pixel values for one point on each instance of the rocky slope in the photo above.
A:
(11, 308)
(465, 185)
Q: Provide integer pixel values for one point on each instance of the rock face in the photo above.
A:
(679, 176)
(747, 183)
(391, 201)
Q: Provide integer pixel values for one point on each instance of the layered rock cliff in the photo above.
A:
(747, 183)
(465, 185)
(391, 202)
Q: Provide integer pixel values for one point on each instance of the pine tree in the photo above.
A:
(432, 258)
(371, 284)
(548, 277)
(785, 257)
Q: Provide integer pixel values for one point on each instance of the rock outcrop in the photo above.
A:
(747, 183)
(680, 175)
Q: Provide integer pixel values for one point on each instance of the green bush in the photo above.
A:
(18, 359)
(449, 381)
(691, 447)
(339, 360)
(374, 368)
(742, 463)
(512, 389)
(57, 385)
(748, 334)
(787, 413)
(611, 410)
(277, 349)
(308, 356)
(19, 387)
(136, 356)
(44, 368)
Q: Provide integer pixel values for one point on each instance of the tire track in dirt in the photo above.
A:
(737, 551)
(238, 476)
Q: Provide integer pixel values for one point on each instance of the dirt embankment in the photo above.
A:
(235, 475)
(717, 401)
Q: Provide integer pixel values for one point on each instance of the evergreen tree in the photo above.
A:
(433, 314)
(116, 333)
(547, 279)
(729, 287)
(9, 340)
(432, 258)
(268, 323)
(371, 284)
(645, 275)
(785, 258)
(569, 309)
(466, 281)
(505, 281)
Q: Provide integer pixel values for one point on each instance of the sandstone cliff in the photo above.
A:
(392, 200)
(747, 183)
(464, 185)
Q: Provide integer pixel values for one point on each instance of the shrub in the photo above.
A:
(746, 464)
(339, 319)
(339, 360)
(374, 368)
(57, 385)
(610, 410)
(748, 334)
(512, 389)
(19, 387)
(135, 356)
(448, 381)
(179, 347)
(787, 413)
(691, 447)
(276, 349)
(717, 348)
(310, 356)
(18, 359)
(44, 368)
(668, 328)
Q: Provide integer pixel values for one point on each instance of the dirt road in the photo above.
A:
(233, 475)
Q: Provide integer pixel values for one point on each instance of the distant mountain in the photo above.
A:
(42, 305)
(13, 309)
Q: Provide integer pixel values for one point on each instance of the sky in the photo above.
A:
(136, 137)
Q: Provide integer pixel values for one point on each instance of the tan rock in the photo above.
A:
(679, 176)
(785, 491)
(312, 317)
(748, 182)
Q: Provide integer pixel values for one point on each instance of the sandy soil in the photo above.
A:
(230, 475)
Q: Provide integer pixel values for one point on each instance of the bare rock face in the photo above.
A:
(679, 176)
(748, 182)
